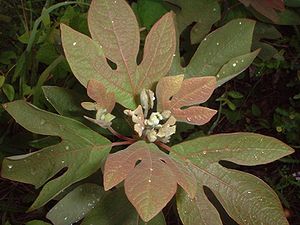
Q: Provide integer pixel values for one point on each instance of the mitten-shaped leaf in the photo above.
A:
(81, 152)
(173, 93)
(150, 176)
(247, 199)
(115, 36)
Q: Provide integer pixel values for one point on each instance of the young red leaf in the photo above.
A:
(115, 36)
(98, 93)
(150, 175)
(191, 92)
(266, 7)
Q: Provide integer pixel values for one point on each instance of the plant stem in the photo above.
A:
(164, 146)
(119, 135)
(123, 143)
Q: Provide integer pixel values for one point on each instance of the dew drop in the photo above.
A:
(10, 166)
(66, 218)
(115, 1)
(240, 22)
(42, 122)
(151, 169)
(234, 64)
(112, 21)
(218, 43)
(249, 192)
(218, 75)
(242, 60)
(174, 55)
(205, 39)
(90, 204)
(189, 119)
(149, 181)
(62, 161)
(67, 147)
(204, 152)
(75, 43)
(214, 9)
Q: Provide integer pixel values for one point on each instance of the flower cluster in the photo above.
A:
(158, 127)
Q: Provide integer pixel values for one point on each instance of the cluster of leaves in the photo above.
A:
(109, 58)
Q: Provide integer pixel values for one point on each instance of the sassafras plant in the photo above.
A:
(154, 98)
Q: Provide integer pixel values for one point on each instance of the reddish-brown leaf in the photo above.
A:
(266, 7)
(98, 93)
(150, 175)
(174, 93)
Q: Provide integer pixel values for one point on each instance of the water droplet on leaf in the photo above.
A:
(234, 64)
(42, 122)
(10, 166)
(74, 43)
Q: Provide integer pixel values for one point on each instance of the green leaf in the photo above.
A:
(224, 53)
(120, 44)
(81, 152)
(150, 11)
(235, 94)
(151, 184)
(198, 210)
(9, 91)
(76, 204)
(265, 31)
(247, 199)
(115, 209)
(66, 102)
(242, 148)
(204, 12)
(2, 80)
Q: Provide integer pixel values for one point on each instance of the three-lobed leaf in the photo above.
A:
(81, 152)
(246, 198)
(115, 36)
(173, 94)
(150, 175)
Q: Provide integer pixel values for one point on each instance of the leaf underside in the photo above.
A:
(81, 152)
(115, 36)
(150, 175)
(246, 198)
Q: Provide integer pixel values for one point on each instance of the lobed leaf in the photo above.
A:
(80, 152)
(150, 176)
(76, 204)
(174, 93)
(242, 148)
(115, 37)
(247, 199)
(219, 50)
(115, 209)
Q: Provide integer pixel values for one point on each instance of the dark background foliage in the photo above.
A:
(264, 99)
